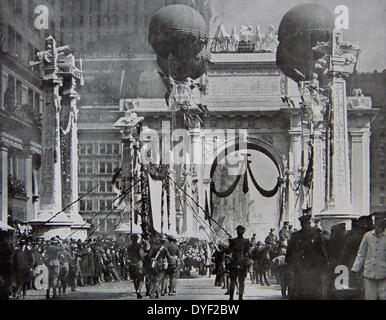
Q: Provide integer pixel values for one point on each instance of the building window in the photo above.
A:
(89, 205)
(109, 167)
(116, 148)
(85, 149)
(82, 167)
(109, 187)
(18, 92)
(82, 205)
(109, 148)
(102, 205)
(102, 225)
(89, 167)
(90, 21)
(99, 19)
(109, 205)
(99, 5)
(85, 205)
(81, 21)
(102, 148)
(382, 200)
(102, 167)
(102, 186)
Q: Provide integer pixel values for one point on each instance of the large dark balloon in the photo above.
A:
(178, 32)
(300, 30)
(309, 18)
(181, 70)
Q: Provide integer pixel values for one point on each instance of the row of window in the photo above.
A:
(102, 149)
(102, 167)
(101, 205)
(103, 186)
(108, 5)
(102, 225)
(94, 21)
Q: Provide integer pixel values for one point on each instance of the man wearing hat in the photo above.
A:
(239, 249)
(136, 255)
(174, 264)
(371, 258)
(307, 260)
(271, 238)
(285, 234)
(53, 265)
(155, 266)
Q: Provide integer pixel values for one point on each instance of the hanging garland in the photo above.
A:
(161, 173)
(229, 191)
(265, 193)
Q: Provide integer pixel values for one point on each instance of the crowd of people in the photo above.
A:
(303, 262)
(70, 263)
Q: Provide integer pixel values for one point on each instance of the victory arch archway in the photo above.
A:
(245, 187)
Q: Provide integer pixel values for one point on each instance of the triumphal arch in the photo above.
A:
(251, 158)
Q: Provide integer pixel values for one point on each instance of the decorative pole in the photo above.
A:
(51, 221)
(72, 79)
(128, 126)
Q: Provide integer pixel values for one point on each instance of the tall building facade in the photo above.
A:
(21, 100)
(373, 84)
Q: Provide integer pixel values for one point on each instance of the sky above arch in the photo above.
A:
(366, 22)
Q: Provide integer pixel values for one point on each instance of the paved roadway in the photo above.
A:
(195, 288)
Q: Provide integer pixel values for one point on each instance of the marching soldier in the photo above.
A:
(306, 259)
(174, 264)
(239, 249)
(136, 255)
(285, 234)
(271, 238)
(155, 265)
(53, 265)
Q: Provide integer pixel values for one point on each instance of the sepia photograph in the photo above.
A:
(206, 151)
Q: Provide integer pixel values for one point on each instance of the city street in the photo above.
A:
(197, 288)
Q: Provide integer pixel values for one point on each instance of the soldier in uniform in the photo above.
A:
(239, 249)
(154, 264)
(53, 265)
(136, 255)
(271, 238)
(174, 264)
(307, 260)
(285, 234)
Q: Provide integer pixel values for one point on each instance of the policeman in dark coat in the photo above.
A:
(136, 255)
(239, 249)
(306, 259)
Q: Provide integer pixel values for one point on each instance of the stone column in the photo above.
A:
(318, 203)
(4, 183)
(27, 156)
(69, 145)
(51, 221)
(294, 165)
(360, 172)
(197, 166)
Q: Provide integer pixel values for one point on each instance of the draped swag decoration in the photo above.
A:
(229, 191)
(161, 173)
